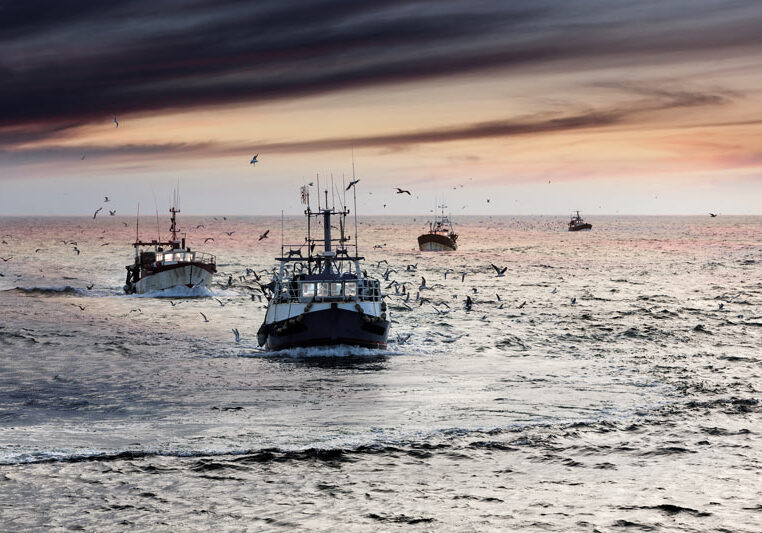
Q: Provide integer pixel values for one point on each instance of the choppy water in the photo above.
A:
(636, 408)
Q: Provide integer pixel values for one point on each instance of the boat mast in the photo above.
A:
(354, 197)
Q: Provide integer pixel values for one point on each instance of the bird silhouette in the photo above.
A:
(402, 191)
(351, 184)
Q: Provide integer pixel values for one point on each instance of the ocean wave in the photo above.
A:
(50, 291)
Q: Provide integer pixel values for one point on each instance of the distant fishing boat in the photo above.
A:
(441, 236)
(578, 224)
(323, 297)
(166, 265)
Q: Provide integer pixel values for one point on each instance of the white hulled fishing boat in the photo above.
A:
(441, 236)
(165, 265)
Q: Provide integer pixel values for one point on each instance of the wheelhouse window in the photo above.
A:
(308, 290)
(323, 290)
(350, 289)
(336, 289)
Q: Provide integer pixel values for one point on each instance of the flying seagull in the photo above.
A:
(352, 184)
(237, 335)
(712, 215)
(105, 199)
(402, 191)
(96, 212)
(499, 271)
(264, 235)
(112, 213)
(254, 160)
(203, 315)
(116, 122)
(208, 239)
(222, 304)
(228, 233)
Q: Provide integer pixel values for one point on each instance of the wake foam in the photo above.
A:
(176, 292)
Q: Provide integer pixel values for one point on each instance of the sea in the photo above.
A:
(609, 381)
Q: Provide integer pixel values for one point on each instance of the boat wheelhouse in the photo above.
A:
(322, 296)
(165, 265)
(441, 236)
(577, 223)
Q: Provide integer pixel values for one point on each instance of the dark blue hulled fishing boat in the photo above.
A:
(321, 296)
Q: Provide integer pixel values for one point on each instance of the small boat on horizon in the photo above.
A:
(165, 265)
(323, 297)
(441, 237)
(577, 223)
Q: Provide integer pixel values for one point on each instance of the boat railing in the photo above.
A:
(330, 290)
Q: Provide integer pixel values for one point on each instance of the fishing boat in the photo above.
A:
(165, 265)
(322, 296)
(441, 236)
(578, 224)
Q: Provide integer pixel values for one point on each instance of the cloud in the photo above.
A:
(628, 113)
(86, 60)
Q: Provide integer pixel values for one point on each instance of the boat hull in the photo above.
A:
(581, 227)
(326, 327)
(188, 275)
(431, 242)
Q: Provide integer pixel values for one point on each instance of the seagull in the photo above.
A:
(208, 239)
(112, 213)
(351, 184)
(712, 215)
(83, 157)
(463, 276)
(487, 200)
(523, 304)
(469, 303)
(105, 199)
(555, 290)
(116, 122)
(378, 265)
(402, 191)
(228, 233)
(75, 249)
(254, 160)
(447, 272)
(96, 212)
(403, 339)
(237, 335)
(721, 305)
(499, 271)
(90, 287)
(81, 307)
(573, 301)
(203, 315)
(172, 303)
(423, 284)
(264, 235)
(220, 302)
(200, 226)
(135, 310)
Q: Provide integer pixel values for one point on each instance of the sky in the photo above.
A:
(540, 107)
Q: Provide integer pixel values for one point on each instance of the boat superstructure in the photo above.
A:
(165, 265)
(320, 295)
(441, 236)
(577, 223)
